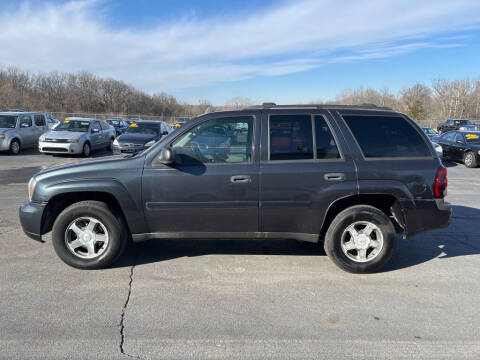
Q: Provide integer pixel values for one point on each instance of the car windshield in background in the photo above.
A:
(142, 128)
(73, 125)
(429, 131)
(473, 138)
(462, 122)
(114, 122)
(7, 122)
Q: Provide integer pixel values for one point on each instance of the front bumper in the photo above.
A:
(60, 148)
(31, 219)
(4, 144)
(127, 148)
(427, 215)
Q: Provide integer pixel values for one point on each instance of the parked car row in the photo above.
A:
(456, 124)
(76, 135)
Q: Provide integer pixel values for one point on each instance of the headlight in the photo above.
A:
(2, 136)
(150, 143)
(461, 128)
(439, 149)
(42, 138)
(478, 152)
(73, 140)
(31, 188)
(115, 142)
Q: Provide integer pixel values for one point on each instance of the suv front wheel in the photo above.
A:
(87, 235)
(361, 239)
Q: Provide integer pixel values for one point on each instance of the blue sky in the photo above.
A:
(282, 51)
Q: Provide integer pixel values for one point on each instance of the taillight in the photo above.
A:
(441, 183)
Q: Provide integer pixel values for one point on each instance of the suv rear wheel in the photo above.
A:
(87, 235)
(361, 239)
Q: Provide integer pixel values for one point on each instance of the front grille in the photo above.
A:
(61, 141)
(54, 149)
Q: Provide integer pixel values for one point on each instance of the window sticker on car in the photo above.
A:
(471, 136)
(134, 125)
(66, 121)
(84, 123)
(457, 122)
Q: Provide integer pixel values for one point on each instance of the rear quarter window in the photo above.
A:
(387, 137)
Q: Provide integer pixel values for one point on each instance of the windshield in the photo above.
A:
(462, 122)
(7, 122)
(473, 138)
(142, 128)
(73, 125)
(114, 122)
(429, 131)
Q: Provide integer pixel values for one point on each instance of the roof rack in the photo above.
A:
(272, 105)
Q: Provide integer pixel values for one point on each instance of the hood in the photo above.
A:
(136, 138)
(82, 167)
(4, 131)
(64, 134)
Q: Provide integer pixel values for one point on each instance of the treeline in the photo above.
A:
(442, 100)
(84, 92)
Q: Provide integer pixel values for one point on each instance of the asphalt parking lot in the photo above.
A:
(184, 299)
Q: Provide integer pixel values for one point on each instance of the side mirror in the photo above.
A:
(94, 131)
(164, 133)
(166, 156)
(24, 125)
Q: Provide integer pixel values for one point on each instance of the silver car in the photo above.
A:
(21, 130)
(77, 136)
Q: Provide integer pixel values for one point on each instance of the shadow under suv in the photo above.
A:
(348, 177)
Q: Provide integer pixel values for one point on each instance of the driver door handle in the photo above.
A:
(240, 179)
(334, 177)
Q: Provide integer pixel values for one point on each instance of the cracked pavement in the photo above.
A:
(179, 299)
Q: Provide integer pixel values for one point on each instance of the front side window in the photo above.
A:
(39, 120)
(386, 136)
(291, 137)
(223, 140)
(26, 121)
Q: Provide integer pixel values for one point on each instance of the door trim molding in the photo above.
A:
(227, 236)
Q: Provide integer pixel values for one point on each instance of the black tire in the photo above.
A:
(14, 147)
(87, 149)
(349, 216)
(114, 223)
(469, 159)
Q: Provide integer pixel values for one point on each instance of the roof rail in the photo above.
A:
(270, 105)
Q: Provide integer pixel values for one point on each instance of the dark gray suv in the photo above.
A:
(348, 177)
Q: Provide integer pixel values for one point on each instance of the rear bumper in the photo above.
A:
(427, 215)
(31, 220)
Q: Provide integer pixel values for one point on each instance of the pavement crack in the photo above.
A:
(124, 310)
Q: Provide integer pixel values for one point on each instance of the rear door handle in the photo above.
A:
(334, 177)
(240, 179)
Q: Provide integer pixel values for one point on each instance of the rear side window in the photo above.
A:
(325, 143)
(39, 120)
(386, 137)
(291, 137)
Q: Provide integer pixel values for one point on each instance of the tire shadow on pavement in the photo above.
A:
(461, 238)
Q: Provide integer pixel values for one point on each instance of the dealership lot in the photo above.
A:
(239, 299)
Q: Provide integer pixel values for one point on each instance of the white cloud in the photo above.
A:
(293, 37)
